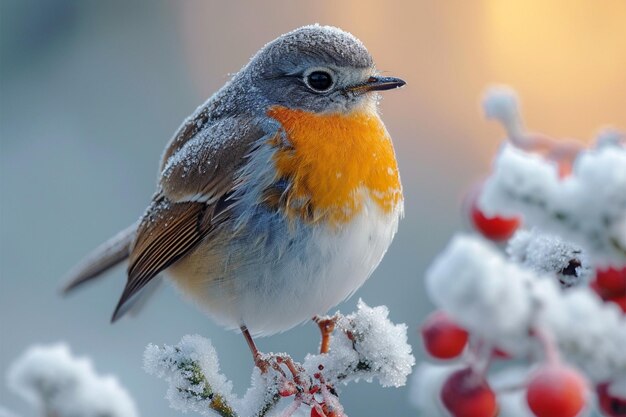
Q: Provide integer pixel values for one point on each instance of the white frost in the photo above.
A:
(482, 291)
(50, 378)
(501, 103)
(365, 345)
(175, 364)
(549, 254)
(426, 384)
(500, 301)
(378, 349)
(588, 207)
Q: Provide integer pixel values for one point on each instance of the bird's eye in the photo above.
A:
(320, 81)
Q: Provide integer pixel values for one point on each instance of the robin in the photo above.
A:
(277, 198)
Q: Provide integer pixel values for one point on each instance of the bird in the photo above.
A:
(277, 198)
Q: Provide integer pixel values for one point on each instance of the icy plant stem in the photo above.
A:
(196, 378)
(217, 402)
(501, 104)
(548, 344)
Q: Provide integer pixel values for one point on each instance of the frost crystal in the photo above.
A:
(49, 377)
(426, 384)
(500, 301)
(365, 345)
(588, 207)
(369, 346)
(483, 291)
(549, 254)
(192, 370)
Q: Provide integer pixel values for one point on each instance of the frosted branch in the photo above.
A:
(192, 370)
(60, 385)
(365, 345)
(587, 208)
(501, 301)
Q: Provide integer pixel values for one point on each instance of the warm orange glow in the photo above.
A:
(565, 56)
(331, 156)
(566, 59)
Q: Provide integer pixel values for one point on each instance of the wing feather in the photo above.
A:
(196, 183)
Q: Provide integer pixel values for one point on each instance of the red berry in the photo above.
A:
(442, 337)
(326, 410)
(498, 353)
(564, 169)
(611, 281)
(556, 391)
(494, 228)
(285, 393)
(610, 405)
(620, 301)
(467, 394)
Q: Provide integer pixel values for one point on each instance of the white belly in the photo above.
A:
(325, 268)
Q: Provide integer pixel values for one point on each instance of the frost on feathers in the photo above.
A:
(587, 208)
(49, 377)
(500, 301)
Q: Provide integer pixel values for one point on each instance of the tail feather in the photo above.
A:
(104, 257)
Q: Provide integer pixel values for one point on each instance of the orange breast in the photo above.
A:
(334, 161)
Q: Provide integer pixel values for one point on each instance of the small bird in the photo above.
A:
(277, 198)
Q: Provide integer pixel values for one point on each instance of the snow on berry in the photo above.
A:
(426, 384)
(587, 208)
(548, 254)
(500, 301)
(442, 337)
(495, 228)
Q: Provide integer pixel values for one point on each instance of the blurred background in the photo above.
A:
(91, 91)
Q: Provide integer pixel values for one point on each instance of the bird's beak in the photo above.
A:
(377, 84)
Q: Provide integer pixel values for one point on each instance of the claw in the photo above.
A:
(327, 326)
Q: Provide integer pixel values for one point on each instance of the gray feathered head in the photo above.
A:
(315, 68)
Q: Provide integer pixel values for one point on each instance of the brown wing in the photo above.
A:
(202, 168)
(190, 127)
(195, 185)
(165, 234)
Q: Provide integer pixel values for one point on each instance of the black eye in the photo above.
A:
(319, 80)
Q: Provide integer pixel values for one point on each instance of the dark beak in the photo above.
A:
(377, 84)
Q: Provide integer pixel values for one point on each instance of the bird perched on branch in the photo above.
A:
(277, 198)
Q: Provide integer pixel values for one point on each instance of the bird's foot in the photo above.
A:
(327, 326)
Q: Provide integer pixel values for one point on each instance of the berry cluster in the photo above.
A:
(454, 334)
(553, 389)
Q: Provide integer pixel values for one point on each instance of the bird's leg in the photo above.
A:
(327, 326)
(256, 355)
(261, 361)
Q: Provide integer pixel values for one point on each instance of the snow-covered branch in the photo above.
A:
(554, 299)
(587, 207)
(501, 302)
(365, 345)
(60, 385)
(580, 197)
